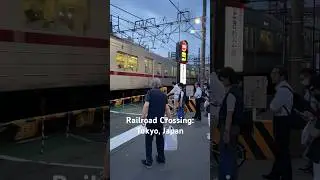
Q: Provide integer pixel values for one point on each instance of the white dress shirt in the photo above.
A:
(283, 98)
(198, 93)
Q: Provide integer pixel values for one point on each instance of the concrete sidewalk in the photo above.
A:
(189, 162)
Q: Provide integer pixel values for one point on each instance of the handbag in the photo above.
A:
(180, 113)
(170, 141)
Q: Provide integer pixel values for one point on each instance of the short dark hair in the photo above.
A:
(307, 71)
(229, 73)
(282, 72)
(174, 83)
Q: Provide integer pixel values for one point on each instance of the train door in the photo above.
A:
(159, 73)
(148, 66)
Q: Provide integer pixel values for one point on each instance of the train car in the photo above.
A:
(263, 41)
(54, 56)
(132, 68)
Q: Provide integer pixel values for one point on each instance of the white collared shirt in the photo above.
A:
(176, 90)
(283, 97)
(198, 93)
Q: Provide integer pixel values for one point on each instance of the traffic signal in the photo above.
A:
(182, 52)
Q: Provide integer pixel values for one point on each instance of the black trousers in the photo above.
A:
(198, 109)
(282, 166)
(159, 142)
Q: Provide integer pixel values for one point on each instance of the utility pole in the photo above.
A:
(296, 41)
(314, 36)
(178, 62)
(198, 62)
(203, 46)
(285, 33)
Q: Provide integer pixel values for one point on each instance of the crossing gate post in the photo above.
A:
(68, 124)
(42, 135)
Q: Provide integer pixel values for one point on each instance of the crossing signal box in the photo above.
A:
(182, 52)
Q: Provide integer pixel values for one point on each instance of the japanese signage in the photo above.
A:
(255, 91)
(182, 52)
(183, 73)
(189, 90)
(234, 38)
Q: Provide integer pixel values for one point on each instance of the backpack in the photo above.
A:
(299, 105)
(241, 118)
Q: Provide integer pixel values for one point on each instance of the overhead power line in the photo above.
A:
(140, 30)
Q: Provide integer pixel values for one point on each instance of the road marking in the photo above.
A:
(81, 138)
(126, 113)
(125, 137)
(15, 159)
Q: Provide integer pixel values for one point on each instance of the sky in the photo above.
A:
(263, 5)
(159, 9)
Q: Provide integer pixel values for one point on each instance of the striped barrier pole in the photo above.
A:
(68, 124)
(42, 135)
(208, 134)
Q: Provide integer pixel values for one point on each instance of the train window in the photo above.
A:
(166, 73)
(121, 60)
(148, 66)
(159, 67)
(251, 38)
(126, 62)
(57, 15)
(246, 38)
(132, 64)
(193, 73)
(266, 40)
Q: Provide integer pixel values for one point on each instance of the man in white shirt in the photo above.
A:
(217, 95)
(198, 95)
(281, 106)
(175, 92)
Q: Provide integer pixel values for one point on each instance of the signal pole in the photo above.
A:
(296, 41)
(198, 63)
(203, 45)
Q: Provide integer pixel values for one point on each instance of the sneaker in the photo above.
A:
(146, 164)
(160, 161)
